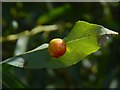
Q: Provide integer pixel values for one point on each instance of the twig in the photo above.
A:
(34, 31)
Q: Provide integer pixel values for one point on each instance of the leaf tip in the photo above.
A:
(107, 31)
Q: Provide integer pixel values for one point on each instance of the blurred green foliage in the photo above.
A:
(99, 70)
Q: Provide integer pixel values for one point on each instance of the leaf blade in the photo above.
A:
(72, 56)
(84, 39)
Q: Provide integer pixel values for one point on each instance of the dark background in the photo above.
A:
(98, 70)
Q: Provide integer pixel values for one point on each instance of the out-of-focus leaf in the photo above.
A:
(53, 14)
(21, 44)
(82, 41)
(9, 80)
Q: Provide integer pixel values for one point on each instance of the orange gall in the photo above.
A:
(57, 47)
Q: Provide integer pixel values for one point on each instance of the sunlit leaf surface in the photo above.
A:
(84, 39)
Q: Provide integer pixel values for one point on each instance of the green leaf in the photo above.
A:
(9, 80)
(85, 29)
(84, 39)
(53, 14)
(76, 51)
